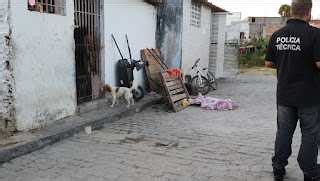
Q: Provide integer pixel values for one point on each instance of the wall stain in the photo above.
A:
(169, 32)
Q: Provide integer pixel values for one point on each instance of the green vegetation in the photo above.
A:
(285, 10)
(256, 58)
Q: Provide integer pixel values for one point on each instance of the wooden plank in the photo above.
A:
(172, 83)
(175, 87)
(172, 79)
(178, 97)
(176, 91)
(166, 89)
(152, 70)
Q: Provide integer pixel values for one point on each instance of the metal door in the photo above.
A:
(87, 36)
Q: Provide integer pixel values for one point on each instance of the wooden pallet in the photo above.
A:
(154, 65)
(176, 91)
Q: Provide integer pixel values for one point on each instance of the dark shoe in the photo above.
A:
(279, 174)
(307, 178)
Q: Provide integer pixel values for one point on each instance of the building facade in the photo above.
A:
(196, 34)
(56, 55)
(48, 69)
(264, 27)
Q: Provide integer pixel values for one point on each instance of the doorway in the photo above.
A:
(87, 35)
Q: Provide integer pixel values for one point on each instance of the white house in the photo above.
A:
(204, 28)
(57, 54)
(196, 34)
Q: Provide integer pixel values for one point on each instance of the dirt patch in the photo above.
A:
(258, 71)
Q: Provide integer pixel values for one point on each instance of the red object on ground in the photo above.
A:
(174, 72)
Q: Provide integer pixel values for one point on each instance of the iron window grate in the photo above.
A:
(47, 6)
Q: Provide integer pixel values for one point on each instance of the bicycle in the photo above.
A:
(202, 80)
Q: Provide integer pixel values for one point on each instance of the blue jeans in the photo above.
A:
(309, 119)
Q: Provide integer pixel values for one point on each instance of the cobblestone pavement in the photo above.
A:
(194, 144)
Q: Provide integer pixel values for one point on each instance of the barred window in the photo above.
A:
(195, 19)
(47, 6)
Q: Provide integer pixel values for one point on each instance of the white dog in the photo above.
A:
(118, 92)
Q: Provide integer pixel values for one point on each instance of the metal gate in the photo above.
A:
(87, 35)
(214, 38)
(223, 58)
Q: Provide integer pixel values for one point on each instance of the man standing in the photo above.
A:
(295, 52)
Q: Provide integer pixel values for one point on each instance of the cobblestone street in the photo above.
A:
(194, 144)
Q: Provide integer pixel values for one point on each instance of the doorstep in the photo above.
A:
(94, 115)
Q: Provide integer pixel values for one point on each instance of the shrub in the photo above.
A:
(257, 58)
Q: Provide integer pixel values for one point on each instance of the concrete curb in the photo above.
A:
(70, 126)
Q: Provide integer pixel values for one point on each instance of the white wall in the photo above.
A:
(43, 65)
(233, 30)
(135, 18)
(7, 122)
(244, 27)
(195, 41)
(233, 17)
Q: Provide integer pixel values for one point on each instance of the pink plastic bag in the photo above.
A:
(210, 103)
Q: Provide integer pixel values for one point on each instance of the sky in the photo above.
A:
(260, 7)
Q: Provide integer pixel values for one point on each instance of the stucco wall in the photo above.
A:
(233, 30)
(7, 120)
(135, 18)
(231, 60)
(260, 23)
(196, 41)
(43, 65)
(169, 32)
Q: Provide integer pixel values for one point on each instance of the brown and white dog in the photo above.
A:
(119, 92)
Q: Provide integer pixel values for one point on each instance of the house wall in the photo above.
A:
(258, 25)
(7, 120)
(231, 60)
(43, 65)
(135, 18)
(233, 30)
(196, 40)
(169, 32)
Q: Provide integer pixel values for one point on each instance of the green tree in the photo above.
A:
(285, 10)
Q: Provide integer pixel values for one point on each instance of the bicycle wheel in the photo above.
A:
(200, 85)
(213, 81)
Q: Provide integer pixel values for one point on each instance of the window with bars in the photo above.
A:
(195, 19)
(47, 6)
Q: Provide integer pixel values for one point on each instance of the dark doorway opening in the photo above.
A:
(87, 35)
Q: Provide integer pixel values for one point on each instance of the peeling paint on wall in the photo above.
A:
(169, 32)
(7, 111)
